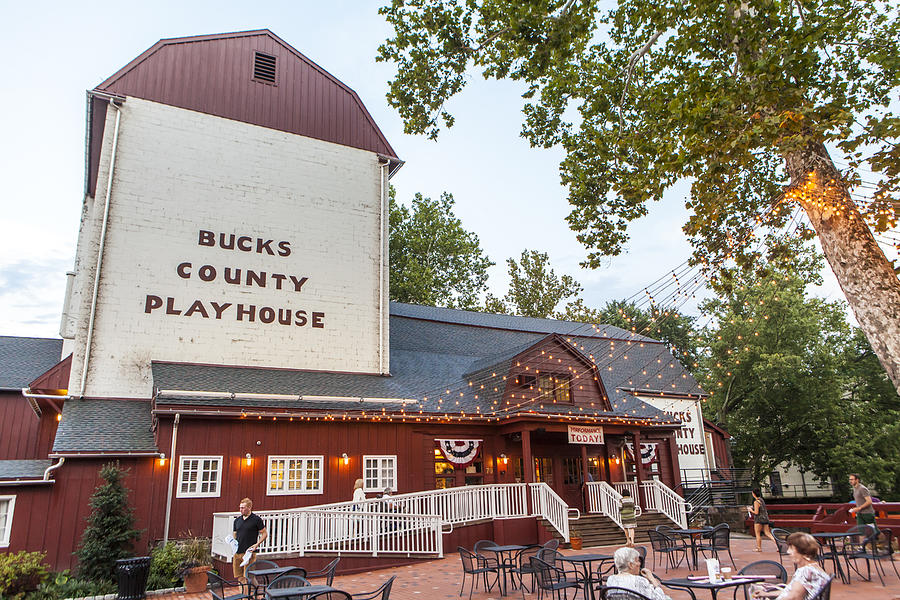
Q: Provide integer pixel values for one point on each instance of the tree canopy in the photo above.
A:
(792, 382)
(744, 99)
(535, 290)
(434, 260)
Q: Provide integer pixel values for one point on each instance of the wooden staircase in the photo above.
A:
(598, 530)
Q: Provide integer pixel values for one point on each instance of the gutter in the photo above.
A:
(104, 454)
(50, 397)
(12, 482)
(297, 397)
(53, 468)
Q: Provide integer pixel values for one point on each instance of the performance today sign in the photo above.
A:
(585, 435)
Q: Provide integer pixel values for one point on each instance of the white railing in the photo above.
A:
(658, 496)
(606, 500)
(547, 504)
(632, 488)
(405, 523)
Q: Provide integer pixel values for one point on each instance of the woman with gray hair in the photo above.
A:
(632, 577)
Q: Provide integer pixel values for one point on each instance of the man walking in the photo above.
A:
(864, 512)
(250, 532)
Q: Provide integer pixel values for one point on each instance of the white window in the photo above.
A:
(7, 504)
(200, 477)
(379, 473)
(295, 475)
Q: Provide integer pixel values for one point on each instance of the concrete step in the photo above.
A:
(598, 530)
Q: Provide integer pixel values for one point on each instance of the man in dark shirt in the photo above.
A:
(250, 532)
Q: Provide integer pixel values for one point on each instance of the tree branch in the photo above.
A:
(632, 60)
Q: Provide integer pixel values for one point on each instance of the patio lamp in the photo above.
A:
(248, 459)
(345, 459)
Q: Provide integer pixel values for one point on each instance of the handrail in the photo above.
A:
(368, 526)
(658, 496)
(604, 499)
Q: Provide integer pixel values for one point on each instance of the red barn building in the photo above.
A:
(227, 333)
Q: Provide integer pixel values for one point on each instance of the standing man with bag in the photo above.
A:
(250, 532)
(864, 512)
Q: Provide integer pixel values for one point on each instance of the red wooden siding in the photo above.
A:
(22, 434)
(555, 357)
(213, 75)
(55, 378)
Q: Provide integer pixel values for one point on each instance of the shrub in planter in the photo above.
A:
(575, 540)
(21, 572)
(197, 561)
(165, 563)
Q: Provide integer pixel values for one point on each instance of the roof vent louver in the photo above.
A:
(263, 67)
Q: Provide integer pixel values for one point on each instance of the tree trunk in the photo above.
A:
(864, 273)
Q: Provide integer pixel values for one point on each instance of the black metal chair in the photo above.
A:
(719, 539)
(476, 566)
(617, 593)
(256, 584)
(481, 545)
(762, 567)
(283, 582)
(293, 571)
(327, 571)
(522, 566)
(382, 593)
(875, 548)
(660, 543)
(551, 544)
(780, 536)
(217, 587)
(331, 595)
(825, 592)
(552, 579)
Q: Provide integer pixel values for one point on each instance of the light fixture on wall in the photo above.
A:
(617, 460)
(345, 459)
(248, 459)
(162, 459)
(503, 459)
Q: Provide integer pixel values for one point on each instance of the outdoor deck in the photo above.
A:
(440, 579)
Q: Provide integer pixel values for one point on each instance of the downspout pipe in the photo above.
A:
(171, 478)
(384, 178)
(53, 468)
(109, 182)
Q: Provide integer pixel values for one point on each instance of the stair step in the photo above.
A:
(598, 530)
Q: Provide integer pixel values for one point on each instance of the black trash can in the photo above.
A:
(132, 575)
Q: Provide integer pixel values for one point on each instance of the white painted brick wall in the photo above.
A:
(178, 172)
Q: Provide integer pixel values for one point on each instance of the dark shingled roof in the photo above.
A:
(23, 359)
(435, 349)
(105, 426)
(23, 469)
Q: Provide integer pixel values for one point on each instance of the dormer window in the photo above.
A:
(554, 387)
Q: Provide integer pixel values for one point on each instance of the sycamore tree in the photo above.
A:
(791, 382)
(434, 260)
(745, 99)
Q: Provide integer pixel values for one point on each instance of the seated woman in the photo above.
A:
(808, 578)
(631, 576)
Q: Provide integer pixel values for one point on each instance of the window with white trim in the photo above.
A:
(200, 477)
(295, 475)
(7, 504)
(379, 473)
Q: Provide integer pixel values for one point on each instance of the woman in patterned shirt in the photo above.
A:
(808, 578)
(632, 577)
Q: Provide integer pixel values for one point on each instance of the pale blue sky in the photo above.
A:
(506, 192)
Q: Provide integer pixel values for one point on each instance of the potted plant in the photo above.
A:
(197, 561)
(575, 540)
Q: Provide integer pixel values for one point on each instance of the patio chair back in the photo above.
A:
(288, 581)
(720, 537)
(262, 564)
(469, 560)
(523, 558)
(642, 551)
(659, 541)
(551, 544)
(616, 593)
(382, 593)
(825, 592)
(331, 595)
(483, 544)
(546, 575)
(327, 571)
(217, 587)
(548, 555)
(781, 540)
(763, 567)
(293, 571)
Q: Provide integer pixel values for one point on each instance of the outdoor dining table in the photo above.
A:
(305, 590)
(266, 575)
(831, 538)
(504, 560)
(689, 584)
(586, 561)
(692, 534)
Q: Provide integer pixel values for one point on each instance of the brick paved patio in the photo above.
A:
(440, 579)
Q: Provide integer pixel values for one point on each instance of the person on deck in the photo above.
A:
(761, 523)
(863, 511)
(628, 517)
(250, 532)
